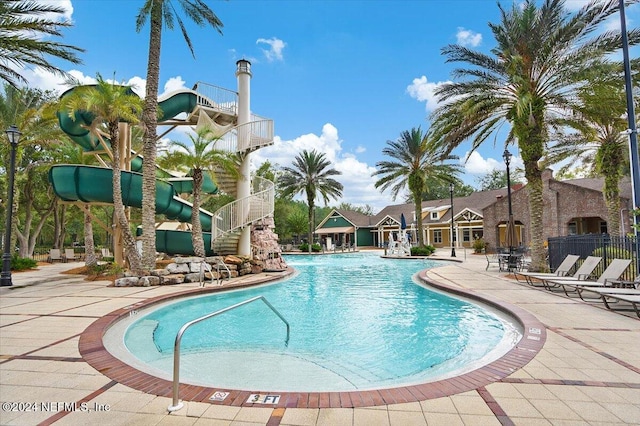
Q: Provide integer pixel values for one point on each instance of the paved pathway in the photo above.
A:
(588, 371)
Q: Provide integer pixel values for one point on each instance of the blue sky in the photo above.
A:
(342, 77)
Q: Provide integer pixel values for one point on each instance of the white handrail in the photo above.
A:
(258, 205)
(176, 404)
(223, 99)
(247, 137)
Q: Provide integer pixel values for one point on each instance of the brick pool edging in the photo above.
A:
(95, 354)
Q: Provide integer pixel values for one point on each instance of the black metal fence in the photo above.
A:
(602, 245)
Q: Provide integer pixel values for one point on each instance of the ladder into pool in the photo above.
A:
(176, 403)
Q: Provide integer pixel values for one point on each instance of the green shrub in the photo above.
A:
(612, 253)
(304, 247)
(422, 251)
(21, 263)
(478, 245)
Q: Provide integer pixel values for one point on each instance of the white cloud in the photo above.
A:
(468, 38)
(356, 176)
(360, 149)
(65, 4)
(174, 83)
(276, 46)
(424, 91)
(475, 164)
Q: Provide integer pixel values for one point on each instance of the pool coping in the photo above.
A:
(93, 351)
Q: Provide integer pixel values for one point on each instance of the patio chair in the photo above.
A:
(105, 252)
(54, 254)
(582, 273)
(494, 259)
(70, 255)
(563, 269)
(634, 299)
(613, 272)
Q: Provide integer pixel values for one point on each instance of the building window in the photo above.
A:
(434, 215)
(573, 228)
(437, 236)
(603, 227)
(466, 235)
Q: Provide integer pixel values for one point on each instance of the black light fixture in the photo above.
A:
(507, 160)
(14, 137)
(453, 246)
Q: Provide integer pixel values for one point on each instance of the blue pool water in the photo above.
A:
(357, 322)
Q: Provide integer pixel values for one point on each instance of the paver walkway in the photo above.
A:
(588, 371)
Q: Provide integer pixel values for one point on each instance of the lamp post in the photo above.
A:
(14, 136)
(453, 246)
(507, 160)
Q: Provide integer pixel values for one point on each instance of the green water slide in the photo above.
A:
(90, 184)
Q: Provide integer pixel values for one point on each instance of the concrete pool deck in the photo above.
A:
(587, 372)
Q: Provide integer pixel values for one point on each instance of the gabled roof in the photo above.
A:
(355, 218)
(394, 213)
(474, 202)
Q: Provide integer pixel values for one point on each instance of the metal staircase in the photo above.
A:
(229, 220)
(217, 107)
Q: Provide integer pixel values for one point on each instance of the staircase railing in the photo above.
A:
(239, 213)
(223, 99)
(247, 137)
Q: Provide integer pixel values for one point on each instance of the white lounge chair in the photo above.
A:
(70, 255)
(54, 254)
(582, 273)
(562, 270)
(613, 272)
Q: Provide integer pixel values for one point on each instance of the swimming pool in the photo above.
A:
(357, 322)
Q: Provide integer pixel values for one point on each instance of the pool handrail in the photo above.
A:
(176, 403)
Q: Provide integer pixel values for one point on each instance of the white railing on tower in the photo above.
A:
(223, 99)
(258, 205)
(247, 137)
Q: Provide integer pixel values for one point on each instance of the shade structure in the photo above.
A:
(336, 230)
(511, 236)
(403, 221)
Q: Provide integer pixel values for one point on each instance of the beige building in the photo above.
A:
(573, 206)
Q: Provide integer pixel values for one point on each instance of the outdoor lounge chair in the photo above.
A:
(613, 272)
(70, 255)
(54, 254)
(634, 299)
(582, 273)
(562, 270)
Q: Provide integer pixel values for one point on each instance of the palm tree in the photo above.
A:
(110, 104)
(199, 157)
(29, 109)
(23, 27)
(597, 141)
(415, 162)
(160, 13)
(311, 174)
(529, 78)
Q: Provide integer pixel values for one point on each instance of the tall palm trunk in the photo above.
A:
(311, 219)
(129, 241)
(418, 213)
(196, 231)
(610, 160)
(150, 120)
(90, 258)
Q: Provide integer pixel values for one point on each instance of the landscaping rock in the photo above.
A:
(159, 272)
(172, 279)
(178, 268)
(126, 282)
(233, 260)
